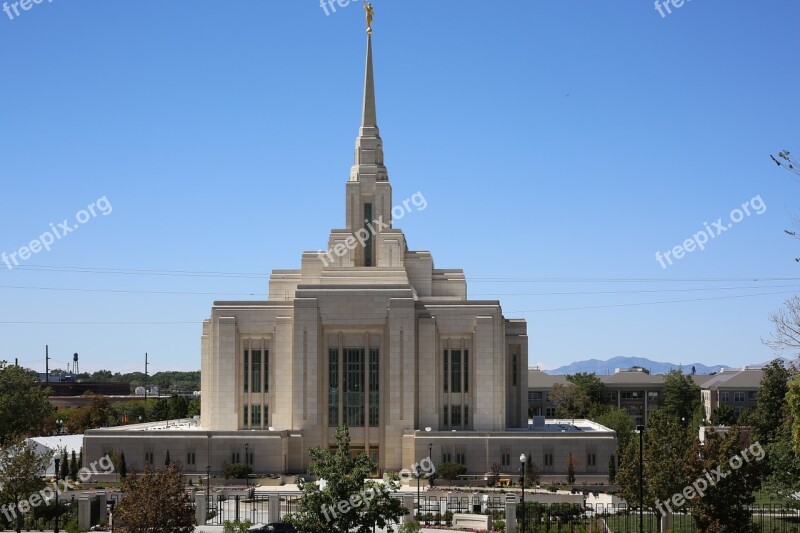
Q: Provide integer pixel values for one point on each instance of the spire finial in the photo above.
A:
(370, 15)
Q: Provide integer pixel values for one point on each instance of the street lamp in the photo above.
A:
(57, 465)
(208, 488)
(247, 464)
(112, 503)
(640, 429)
(59, 424)
(522, 459)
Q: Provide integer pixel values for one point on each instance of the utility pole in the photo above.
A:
(145, 378)
(46, 363)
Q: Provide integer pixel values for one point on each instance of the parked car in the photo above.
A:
(275, 527)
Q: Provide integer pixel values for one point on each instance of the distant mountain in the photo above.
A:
(607, 367)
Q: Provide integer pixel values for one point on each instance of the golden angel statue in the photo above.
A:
(370, 15)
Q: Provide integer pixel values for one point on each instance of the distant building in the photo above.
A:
(639, 393)
(57, 445)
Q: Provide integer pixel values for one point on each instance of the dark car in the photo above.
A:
(275, 527)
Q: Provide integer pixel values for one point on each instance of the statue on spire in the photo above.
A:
(370, 15)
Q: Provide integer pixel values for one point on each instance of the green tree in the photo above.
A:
(771, 402)
(178, 407)
(156, 501)
(368, 502)
(63, 465)
(160, 410)
(681, 397)
(666, 443)
(782, 479)
(570, 400)
(96, 414)
(20, 470)
(533, 474)
(724, 415)
(621, 422)
(591, 385)
(612, 468)
(19, 394)
(166, 459)
(723, 508)
(793, 399)
(73, 466)
(123, 467)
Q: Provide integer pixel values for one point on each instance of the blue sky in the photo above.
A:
(557, 144)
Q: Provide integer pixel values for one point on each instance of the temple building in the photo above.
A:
(367, 334)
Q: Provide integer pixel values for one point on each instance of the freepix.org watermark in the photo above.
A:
(59, 486)
(101, 206)
(13, 9)
(364, 497)
(360, 237)
(698, 488)
(664, 7)
(702, 237)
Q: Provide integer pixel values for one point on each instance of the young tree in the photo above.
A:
(786, 322)
(347, 502)
(681, 397)
(494, 475)
(156, 501)
(572, 463)
(451, 471)
(19, 394)
(73, 466)
(20, 471)
(166, 459)
(612, 468)
(123, 468)
(533, 474)
(63, 471)
(723, 508)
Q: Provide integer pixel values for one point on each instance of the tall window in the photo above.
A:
(455, 367)
(245, 418)
(368, 242)
(246, 371)
(256, 356)
(256, 415)
(466, 415)
(354, 386)
(333, 387)
(456, 419)
(266, 370)
(374, 405)
(191, 458)
(445, 416)
(466, 371)
(446, 370)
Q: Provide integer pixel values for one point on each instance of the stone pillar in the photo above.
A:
(511, 513)
(85, 511)
(274, 507)
(200, 510)
(408, 503)
(103, 505)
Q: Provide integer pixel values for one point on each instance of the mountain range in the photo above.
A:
(599, 367)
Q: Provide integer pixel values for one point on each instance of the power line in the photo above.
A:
(650, 303)
(590, 293)
(121, 291)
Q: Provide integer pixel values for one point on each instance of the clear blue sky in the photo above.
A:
(552, 140)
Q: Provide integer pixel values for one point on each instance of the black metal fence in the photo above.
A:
(238, 508)
(575, 518)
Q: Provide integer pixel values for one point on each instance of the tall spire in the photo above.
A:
(369, 117)
(369, 146)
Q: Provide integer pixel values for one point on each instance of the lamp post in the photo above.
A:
(419, 501)
(112, 503)
(640, 429)
(59, 425)
(208, 488)
(57, 465)
(522, 459)
(247, 464)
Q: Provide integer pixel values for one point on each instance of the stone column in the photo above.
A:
(201, 512)
(511, 513)
(274, 507)
(408, 503)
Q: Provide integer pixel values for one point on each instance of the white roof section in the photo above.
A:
(60, 442)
